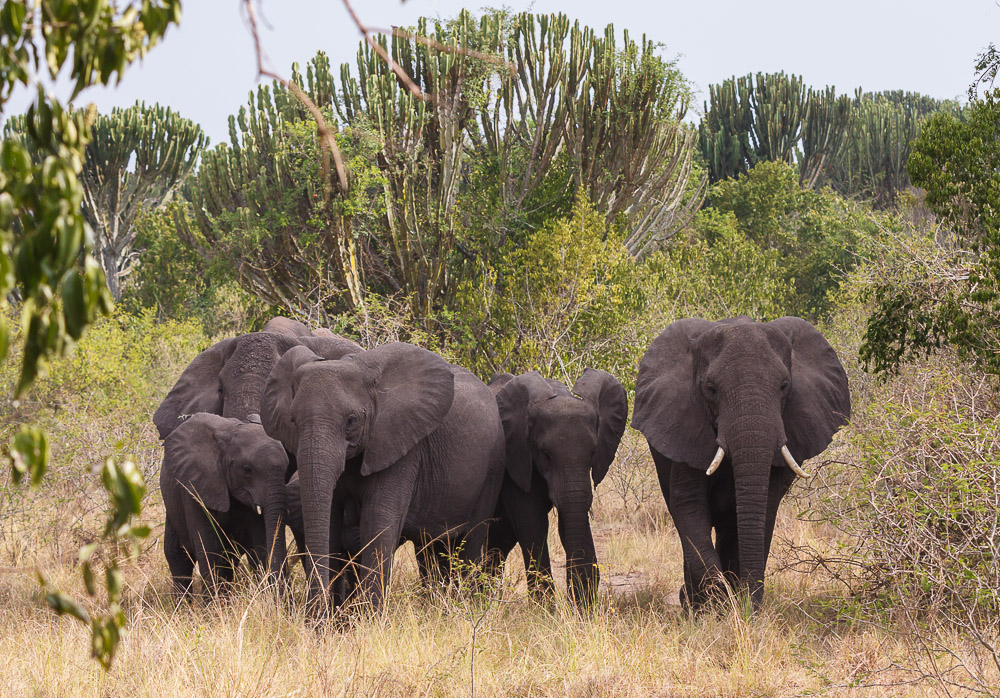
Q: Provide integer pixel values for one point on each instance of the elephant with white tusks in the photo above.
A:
(730, 409)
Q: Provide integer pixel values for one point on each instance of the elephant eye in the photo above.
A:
(247, 470)
(352, 419)
(711, 389)
(784, 384)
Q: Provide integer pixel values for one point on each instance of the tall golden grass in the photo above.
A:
(637, 641)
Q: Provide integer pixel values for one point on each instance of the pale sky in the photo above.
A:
(205, 68)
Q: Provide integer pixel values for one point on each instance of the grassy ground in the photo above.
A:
(637, 642)
(811, 638)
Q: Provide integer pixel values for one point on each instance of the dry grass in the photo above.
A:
(637, 642)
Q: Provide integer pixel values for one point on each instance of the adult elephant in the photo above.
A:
(223, 487)
(415, 442)
(729, 409)
(228, 378)
(286, 326)
(557, 442)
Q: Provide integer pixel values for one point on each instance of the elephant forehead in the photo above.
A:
(567, 417)
(748, 342)
(331, 380)
(252, 443)
(255, 354)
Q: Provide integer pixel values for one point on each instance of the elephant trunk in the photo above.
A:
(582, 575)
(244, 400)
(275, 513)
(752, 451)
(320, 459)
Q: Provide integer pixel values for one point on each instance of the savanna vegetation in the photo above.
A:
(550, 207)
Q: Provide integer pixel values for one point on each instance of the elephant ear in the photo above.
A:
(414, 389)
(193, 455)
(819, 400)
(514, 399)
(498, 381)
(279, 391)
(330, 346)
(608, 397)
(669, 410)
(197, 390)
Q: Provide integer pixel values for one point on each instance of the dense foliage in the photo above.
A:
(439, 184)
(948, 289)
(858, 146)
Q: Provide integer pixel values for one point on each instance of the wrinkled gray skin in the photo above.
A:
(347, 580)
(228, 468)
(416, 443)
(556, 443)
(286, 326)
(750, 388)
(228, 378)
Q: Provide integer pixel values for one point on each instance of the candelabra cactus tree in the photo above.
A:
(262, 205)
(135, 160)
(628, 149)
(824, 133)
(421, 148)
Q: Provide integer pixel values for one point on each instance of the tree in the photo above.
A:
(817, 235)
(45, 256)
(858, 146)
(135, 160)
(955, 300)
(518, 113)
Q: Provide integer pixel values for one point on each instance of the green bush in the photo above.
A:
(817, 235)
(99, 400)
(174, 280)
(732, 275)
(564, 299)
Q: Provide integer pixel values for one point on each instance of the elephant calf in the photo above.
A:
(557, 441)
(223, 485)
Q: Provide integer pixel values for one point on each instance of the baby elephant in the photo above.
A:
(557, 441)
(223, 485)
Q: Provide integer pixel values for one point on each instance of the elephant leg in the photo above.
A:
(688, 491)
(179, 561)
(211, 561)
(727, 545)
(501, 540)
(338, 558)
(383, 513)
(433, 560)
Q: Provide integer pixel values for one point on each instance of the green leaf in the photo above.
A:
(29, 453)
(12, 19)
(74, 305)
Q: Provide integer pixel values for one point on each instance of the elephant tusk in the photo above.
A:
(259, 511)
(792, 464)
(719, 455)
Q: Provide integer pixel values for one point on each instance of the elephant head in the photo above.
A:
(219, 460)
(374, 406)
(286, 326)
(563, 442)
(228, 378)
(759, 395)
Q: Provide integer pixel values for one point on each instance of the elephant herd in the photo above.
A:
(360, 451)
